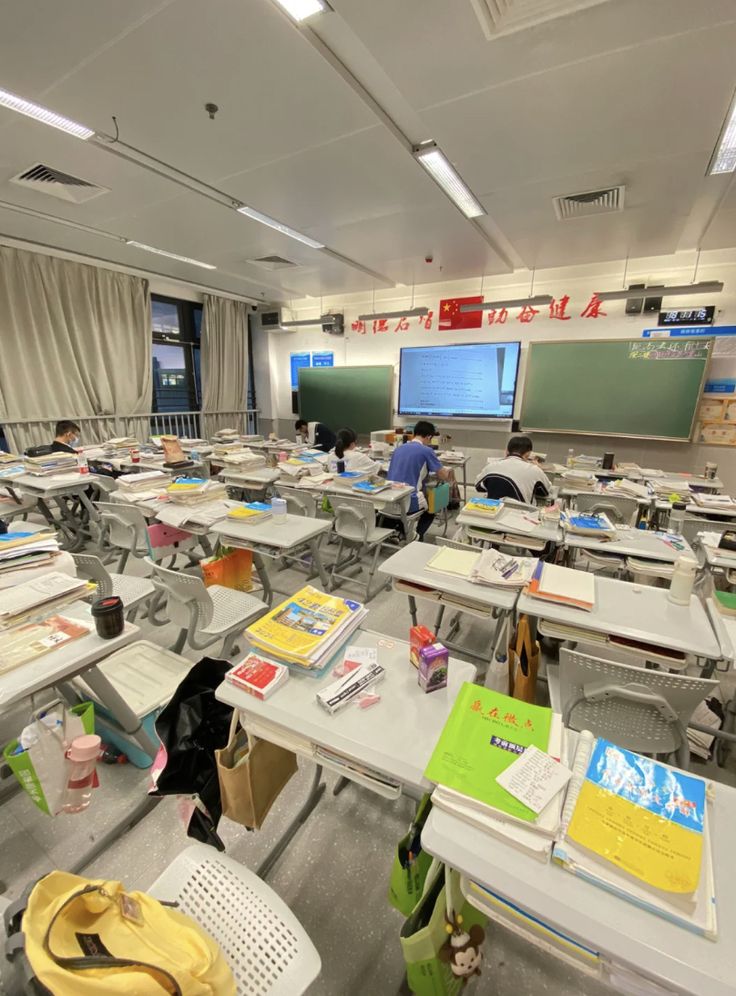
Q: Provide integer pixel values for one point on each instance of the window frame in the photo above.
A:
(187, 340)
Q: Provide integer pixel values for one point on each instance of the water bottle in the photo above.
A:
(341, 466)
(683, 580)
(82, 463)
(194, 456)
(677, 517)
(570, 457)
(278, 511)
(82, 760)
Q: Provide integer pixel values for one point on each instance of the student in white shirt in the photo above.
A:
(345, 449)
(514, 476)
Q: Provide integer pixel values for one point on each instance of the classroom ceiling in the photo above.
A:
(316, 121)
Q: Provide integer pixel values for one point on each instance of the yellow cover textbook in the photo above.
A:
(299, 627)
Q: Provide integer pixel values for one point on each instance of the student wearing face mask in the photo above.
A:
(67, 438)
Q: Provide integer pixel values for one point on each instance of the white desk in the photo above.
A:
(641, 543)
(544, 532)
(705, 483)
(61, 490)
(390, 743)
(296, 535)
(256, 480)
(631, 612)
(408, 568)
(624, 934)
(457, 463)
(398, 495)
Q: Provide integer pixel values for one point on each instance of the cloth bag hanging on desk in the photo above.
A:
(252, 773)
(74, 936)
(523, 663)
(424, 935)
(42, 769)
(411, 863)
(191, 728)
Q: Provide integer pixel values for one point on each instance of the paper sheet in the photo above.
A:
(535, 778)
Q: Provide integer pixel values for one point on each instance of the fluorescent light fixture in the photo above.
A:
(170, 255)
(43, 114)
(444, 174)
(515, 303)
(300, 10)
(723, 159)
(284, 229)
(306, 322)
(412, 313)
(704, 287)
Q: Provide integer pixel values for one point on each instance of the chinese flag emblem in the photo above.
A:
(451, 317)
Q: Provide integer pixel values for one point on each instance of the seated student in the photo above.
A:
(514, 476)
(411, 464)
(345, 449)
(315, 434)
(67, 438)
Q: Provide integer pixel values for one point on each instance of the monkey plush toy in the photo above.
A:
(462, 950)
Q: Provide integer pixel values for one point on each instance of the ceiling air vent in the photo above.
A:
(271, 262)
(589, 202)
(48, 180)
(505, 17)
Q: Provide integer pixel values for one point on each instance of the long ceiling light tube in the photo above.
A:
(515, 303)
(435, 162)
(170, 255)
(679, 290)
(15, 103)
(300, 10)
(303, 323)
(278, 226)
(723, 159)
(411, 313)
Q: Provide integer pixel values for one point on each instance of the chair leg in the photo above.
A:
(228, 647)
(132, 613)
(180, 642)
(124, 556)
(333, 574)
(374, 564)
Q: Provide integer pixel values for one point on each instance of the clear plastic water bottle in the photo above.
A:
(194, 456)
(677, 517)
(82, 462)
(570, 457)
(82, 757)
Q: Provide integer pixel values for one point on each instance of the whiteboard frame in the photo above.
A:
(618, 435)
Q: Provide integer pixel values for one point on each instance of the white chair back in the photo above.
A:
(189, 604)
(354, 517)
(618, 508)
(298, 502)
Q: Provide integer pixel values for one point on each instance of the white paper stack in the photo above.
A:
(38, 597)
(563, 585)
(120, 443)
(147, 480)
(20, 550)
(582, 480)
(204, 491)
(715, 503)
(628, 489)
(52, 463)
(206, 514)
(244, 459)
(497, 570)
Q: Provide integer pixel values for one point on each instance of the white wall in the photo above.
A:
(577, 282)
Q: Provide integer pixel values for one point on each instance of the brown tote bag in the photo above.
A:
(523, 663)
(252, 773)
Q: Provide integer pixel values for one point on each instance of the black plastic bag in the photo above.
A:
(191, 727)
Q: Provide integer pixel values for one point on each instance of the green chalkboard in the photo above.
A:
(617, 387)
(360, 398)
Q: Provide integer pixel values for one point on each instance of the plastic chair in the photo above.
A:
(694, 524)
(132, 590)
(637, 708)
(205, 615)
(355, 528)
(618, 508)
(399, 510)
(298, 502)
(124, 526)
(599, 563)
(267, 949)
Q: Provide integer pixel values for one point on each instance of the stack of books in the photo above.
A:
(581, 480)
(584, 462)
(307, 629)
(714, 503)
(180, 516)
(300, 466)
(226, 436)
(9, 471)
(484, 735)
(146, 481)
(120, 443)
(9, 458)
(195, 490)
(251, 512)
(52, 463)
(253, 438)
(37, 598)
(227, 448)
(497, 570)
(315, 482)
(640, 829)
(352, 477)
(594, 524)
(663, 487)
(487, 507)
(628, 489)
(563, 585)
(19, 550)
(27, 643)
(243, 460)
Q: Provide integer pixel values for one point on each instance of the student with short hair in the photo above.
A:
(316, 434)
(345, 449)
(412, 463)
(516, 475)
(66, 438)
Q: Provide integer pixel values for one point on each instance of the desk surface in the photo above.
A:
(380, 499)
(619, 929)
(53, 484)
(548, 532)
(410, 564)
(631, 543)
(59, 665)
(295, 530)
(257, 475)
(396, 737)
(637, 612)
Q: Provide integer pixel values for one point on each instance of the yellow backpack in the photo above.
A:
(85, 937)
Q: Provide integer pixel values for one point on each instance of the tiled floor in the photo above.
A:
(334, 876)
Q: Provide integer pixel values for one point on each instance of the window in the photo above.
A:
(176, 327)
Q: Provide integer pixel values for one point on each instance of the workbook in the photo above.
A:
(459, 563)
(251, 512)
(371, 487)
(499, 570)
(593, 524)
(563, 585)
(483, 506)
(639, 829)
(484, 734)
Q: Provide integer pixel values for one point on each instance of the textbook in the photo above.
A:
(725, 602)
(251, 512)
(484, 734)
(563, 585)
(306, 628)
(639, 828)
(40, 596)
(459, 563)
(370, 488)
(25, 644)
(594, 524)
(483, 506)
(499, 570)
(258, 676)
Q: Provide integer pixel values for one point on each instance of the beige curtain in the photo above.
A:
(224, 364)
(75, 341)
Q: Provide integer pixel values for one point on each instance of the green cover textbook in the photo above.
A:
(484, 734)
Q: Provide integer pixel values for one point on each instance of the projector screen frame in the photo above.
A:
(466, 416)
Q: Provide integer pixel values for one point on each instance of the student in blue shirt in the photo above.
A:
(411, 464)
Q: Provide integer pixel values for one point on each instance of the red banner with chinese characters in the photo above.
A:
(451, 317)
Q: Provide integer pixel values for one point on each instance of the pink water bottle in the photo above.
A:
(81, 779)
